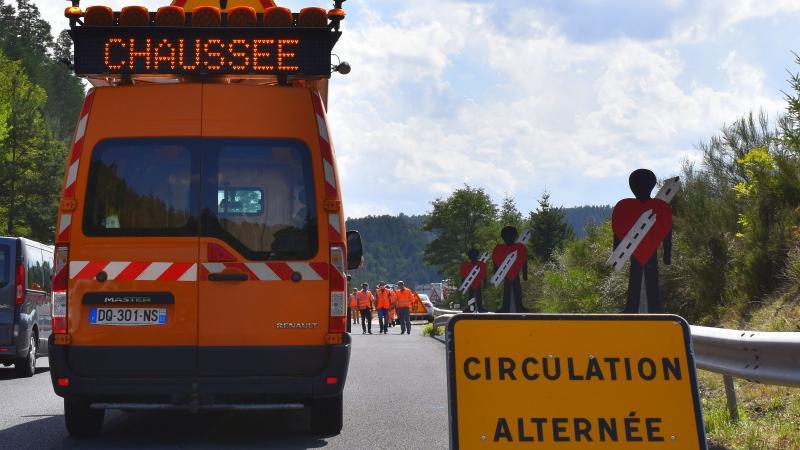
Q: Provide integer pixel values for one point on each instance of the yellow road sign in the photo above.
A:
(572, 381)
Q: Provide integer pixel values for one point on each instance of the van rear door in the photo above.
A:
(133, 238)
(264, 296)
(7, 265)
(133, 265)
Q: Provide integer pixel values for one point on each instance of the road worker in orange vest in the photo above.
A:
(365, 299)
(404, 299)
(393, 309)
(354, 306)
(384, 305)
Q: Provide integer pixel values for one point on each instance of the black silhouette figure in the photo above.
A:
(475, 289)
(512, 287)
(642, 182)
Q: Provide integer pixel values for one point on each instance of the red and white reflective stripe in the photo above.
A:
(73, 164)
(315, 271)
(329, 168)
(133, 271)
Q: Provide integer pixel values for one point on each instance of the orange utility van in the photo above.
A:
(201, 254)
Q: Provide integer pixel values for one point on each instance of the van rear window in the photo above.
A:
(142, 187)
(5, 265)
(257, 195)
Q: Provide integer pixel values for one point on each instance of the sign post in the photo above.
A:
(572, 382)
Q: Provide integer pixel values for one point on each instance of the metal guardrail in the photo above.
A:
(442, 320)
(441, 312)
(763, 357)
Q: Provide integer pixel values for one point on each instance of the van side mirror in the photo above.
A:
(355, 251)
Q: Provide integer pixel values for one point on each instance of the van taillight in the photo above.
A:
(338, 288)
(60, 281)
(19, 284)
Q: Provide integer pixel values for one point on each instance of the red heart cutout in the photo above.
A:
(502, 250)
(466, 268)
(628, 211)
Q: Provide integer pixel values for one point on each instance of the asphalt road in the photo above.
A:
(395, 397)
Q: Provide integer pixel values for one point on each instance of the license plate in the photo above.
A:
(128, 316)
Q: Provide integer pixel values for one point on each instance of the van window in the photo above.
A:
(33, 266)
(259, 197)
(47, 270)
(142, 187)
(5, 265)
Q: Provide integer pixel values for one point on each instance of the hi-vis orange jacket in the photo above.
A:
(404, 297)
(364, 299)
(384, 298)
(353, 302)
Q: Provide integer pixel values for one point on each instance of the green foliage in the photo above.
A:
(735, 220)
(25, 37)
(39, 103)
(32, 161)
(430, 330)
(393, 249)
(510, 215)
(466, 219)
(577, 278)
(790, 126)
(549, 229)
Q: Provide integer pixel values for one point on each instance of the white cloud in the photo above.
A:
(562, 111)
(441, 95)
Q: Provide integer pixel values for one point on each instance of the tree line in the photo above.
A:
(736, 240)
(40, 100)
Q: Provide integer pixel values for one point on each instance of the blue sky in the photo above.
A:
(519, 96)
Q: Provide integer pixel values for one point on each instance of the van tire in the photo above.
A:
(327, 415)
(26, 367)
(81, 420)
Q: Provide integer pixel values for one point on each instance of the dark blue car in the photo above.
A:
(26, 269)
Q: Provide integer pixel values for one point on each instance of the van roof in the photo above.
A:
(28, 242)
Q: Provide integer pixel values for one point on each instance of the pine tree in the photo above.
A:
(509, 214)
(549, 229)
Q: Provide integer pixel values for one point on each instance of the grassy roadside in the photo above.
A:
(769, 416)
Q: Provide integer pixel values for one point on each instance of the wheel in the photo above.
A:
(26, 366)
(81, 420)
(327, 415)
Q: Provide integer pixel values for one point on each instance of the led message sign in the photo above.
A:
(572, 382)
(188, 51)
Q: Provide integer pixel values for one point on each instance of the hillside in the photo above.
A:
(580, 216)
(393, 245)
(392, 250)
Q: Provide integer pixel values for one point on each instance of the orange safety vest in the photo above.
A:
(353, 302)
(364, 300)
(404, 297)
(384, 298)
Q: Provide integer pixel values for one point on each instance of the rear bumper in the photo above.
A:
(8, 353)
(200, 392)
